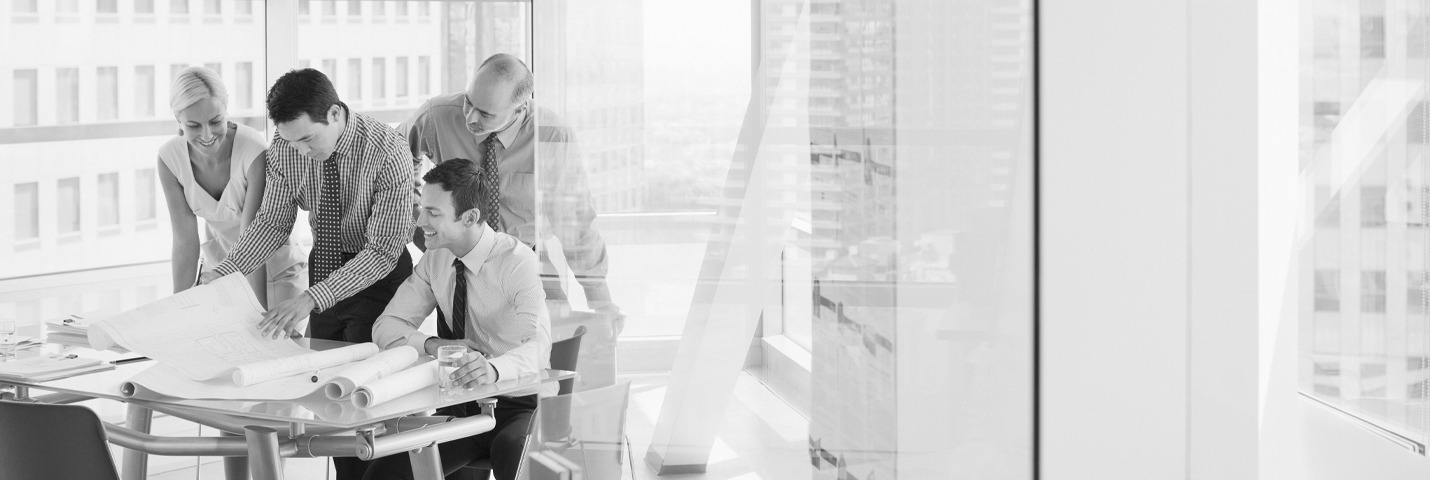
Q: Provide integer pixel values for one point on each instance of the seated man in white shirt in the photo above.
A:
(488, 285)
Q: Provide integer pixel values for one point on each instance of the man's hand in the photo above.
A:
(474, 370)
(208, 276)
(280, 319)
(618, 318)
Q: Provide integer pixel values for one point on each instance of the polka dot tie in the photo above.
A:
(327, 247)
(491, 205)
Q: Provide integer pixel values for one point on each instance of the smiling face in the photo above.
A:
(488, 104)
(441, 226)
(313, 139)
(204, 125)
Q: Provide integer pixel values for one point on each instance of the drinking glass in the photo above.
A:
(8, 339)
(448, 357)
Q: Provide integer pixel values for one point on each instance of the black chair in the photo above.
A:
(564, 354)
(41, 441)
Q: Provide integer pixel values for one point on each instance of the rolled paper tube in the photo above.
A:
(381, 365)
(266, 370)
(396, 385)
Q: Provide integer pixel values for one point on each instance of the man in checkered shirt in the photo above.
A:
(354, 175)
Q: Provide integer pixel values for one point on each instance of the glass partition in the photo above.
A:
(1362, 264)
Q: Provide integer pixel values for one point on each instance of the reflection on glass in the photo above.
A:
(1363, 264)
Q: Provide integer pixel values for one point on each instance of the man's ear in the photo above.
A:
(333, 113)
(471, 216)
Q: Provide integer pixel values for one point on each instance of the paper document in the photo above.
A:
(381, 365)
(33, 368)
(202, 332)
(304, 364)
(396, 385)
(166, 379)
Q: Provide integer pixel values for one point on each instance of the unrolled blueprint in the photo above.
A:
(202, 332)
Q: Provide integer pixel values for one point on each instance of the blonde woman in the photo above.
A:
(214, 170)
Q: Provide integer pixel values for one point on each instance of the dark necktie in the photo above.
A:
(327, 247)
(491, 181)
(458, 315)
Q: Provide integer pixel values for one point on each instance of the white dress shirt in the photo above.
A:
(506, 306)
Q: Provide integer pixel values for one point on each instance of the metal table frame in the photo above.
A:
(266, 442)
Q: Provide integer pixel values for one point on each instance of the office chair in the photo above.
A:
(564, 354)
(40, 441)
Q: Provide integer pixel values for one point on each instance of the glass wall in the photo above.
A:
(1362, 261)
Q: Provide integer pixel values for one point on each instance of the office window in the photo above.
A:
(67, 95)
(243, 85)
(67, 7)
(304, 7)
(67, 207)
(330, 68)
(144, 6)
(401, 74)
(401, 7)
(179, 7)
(27, 211)
(424, 75)
(107, 200)
(245, 7)
(24, 6)
(424, 9)
(379, 77)
(354, 78)
(217, 68)
(379, 9)
(144, 91)
(354, 8)
(145, 189)
(27, 93)
(174, 70)
(106, 6)
(329, 8)
(107, 93)
(303, 64)
(213, 7)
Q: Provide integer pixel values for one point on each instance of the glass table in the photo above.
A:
(267, 431)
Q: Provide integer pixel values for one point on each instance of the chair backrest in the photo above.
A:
(564, 354)
(53, 441)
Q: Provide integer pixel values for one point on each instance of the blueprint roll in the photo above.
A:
(258, 372)
(381, 365)
(396, 385)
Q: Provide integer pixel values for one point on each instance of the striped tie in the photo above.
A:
(458, 330)
(327, 247)
(491, 181)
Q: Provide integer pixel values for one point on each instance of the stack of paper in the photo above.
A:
(50, 367)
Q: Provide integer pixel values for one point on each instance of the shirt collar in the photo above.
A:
(479, 254)
(507, 136)
(347, 140)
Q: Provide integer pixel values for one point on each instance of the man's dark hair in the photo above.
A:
(461, 177)
(302, 91)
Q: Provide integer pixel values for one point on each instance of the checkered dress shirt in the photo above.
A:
(376, 168)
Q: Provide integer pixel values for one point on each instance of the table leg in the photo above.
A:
(426, 463)
(264, 460)
(234, 468)
(136, 463)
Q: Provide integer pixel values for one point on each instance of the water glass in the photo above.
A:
(448, 358)
(8, 339)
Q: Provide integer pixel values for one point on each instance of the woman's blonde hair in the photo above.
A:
(194, 84)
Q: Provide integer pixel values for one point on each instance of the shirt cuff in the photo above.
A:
(322, 296)
(224, 268)
(418, 340)
(499, 365)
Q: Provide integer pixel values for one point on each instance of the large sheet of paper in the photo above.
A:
(202, 332)
(304, 364)
(381, 365)
(166, 379)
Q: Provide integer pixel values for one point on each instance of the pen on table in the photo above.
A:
(129, 360)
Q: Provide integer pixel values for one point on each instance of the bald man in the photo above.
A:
(494, 123)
